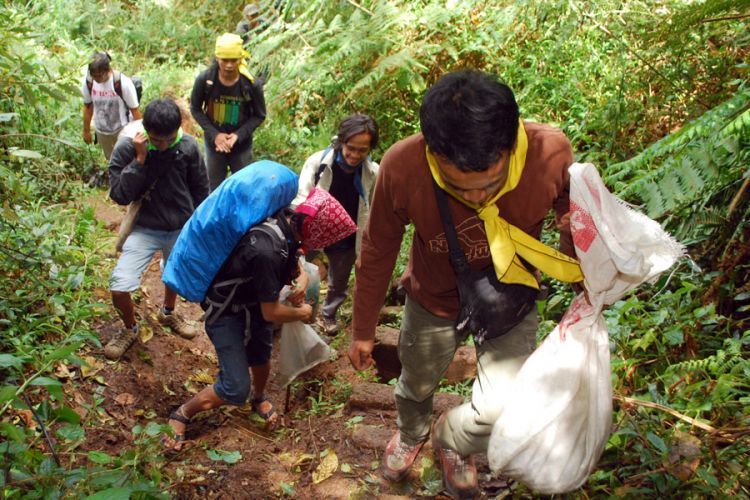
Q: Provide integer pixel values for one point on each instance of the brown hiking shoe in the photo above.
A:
(459, 473)
(329, 325)
(177, 324)
(120, 342)
(398, 458)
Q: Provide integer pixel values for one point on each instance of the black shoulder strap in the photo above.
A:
(210, 82)
(216, 301)
(457, 256)
(117, 83)
(246, 86)
(322, 165)
(271, 227)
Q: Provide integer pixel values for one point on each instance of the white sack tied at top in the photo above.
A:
(556, 416)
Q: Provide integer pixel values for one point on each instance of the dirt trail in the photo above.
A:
(163, 370)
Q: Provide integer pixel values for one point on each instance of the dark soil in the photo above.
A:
(162, 370)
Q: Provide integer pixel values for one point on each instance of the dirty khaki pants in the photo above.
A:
(426, 347)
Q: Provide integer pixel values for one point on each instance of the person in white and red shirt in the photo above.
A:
(110, 98)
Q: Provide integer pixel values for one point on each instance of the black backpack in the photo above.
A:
(117, 76)
(216, 301)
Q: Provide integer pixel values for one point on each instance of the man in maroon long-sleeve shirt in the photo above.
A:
(472, 135)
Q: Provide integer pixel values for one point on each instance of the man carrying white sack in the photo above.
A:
(496, 178)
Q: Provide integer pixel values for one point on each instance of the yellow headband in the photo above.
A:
(229, 46)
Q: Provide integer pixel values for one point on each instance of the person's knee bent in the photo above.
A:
(122, 281)
(234, 388)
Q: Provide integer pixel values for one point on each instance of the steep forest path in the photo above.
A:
(328, 445)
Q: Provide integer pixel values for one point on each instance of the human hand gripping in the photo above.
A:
(307, 313)
(360, 354)
(140, 142)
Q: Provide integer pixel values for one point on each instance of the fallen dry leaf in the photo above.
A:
(684, 456)
(81, 411)
(145, 333)
(125, 399)
(327, 467)
(202, 376)
(304, 458)
(28, 418)
(63, 372)
(92, 366)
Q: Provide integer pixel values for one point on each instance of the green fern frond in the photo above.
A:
(692, 14)
(728, 118)
(678, 169)
(709, 217)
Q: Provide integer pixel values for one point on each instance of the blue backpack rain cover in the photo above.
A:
(243, 200)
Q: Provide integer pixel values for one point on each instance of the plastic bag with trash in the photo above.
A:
(301, 347)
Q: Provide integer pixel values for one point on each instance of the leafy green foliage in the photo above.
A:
(600, 71)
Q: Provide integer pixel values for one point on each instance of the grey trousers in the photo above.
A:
(426, 347)
(340, 266)
(107, 142)
(216, 163)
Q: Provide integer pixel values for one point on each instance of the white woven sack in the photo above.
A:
(557, 413)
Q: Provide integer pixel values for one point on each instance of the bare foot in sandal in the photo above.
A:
(265, 410)
(178, 421)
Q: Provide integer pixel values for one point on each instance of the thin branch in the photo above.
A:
(657, 406)
(40, 136)
(44, 429)
(244, 429)
(360, 7)
(642, 59)
(727, 18)
(738, 196)
(27, 257)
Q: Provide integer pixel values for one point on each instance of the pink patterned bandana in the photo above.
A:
(327, 220)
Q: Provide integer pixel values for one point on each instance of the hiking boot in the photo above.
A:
(459, 473)
(177, 324)
(398, 458)
(329, 325)
(120, 342)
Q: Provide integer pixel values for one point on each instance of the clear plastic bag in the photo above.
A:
(301, 347)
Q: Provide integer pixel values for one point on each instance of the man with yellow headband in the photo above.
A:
(498, 177)
(228, 103)
(156, 163)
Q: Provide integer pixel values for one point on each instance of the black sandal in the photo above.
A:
(267, 416)
(178, 438)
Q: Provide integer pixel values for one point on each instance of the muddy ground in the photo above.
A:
(324, 447)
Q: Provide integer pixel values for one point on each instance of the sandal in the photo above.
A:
(267, 416)
(179, 438)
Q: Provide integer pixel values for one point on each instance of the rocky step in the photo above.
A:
(385, 354)
(373, 397)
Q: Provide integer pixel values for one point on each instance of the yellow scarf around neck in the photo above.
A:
(507, 242)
